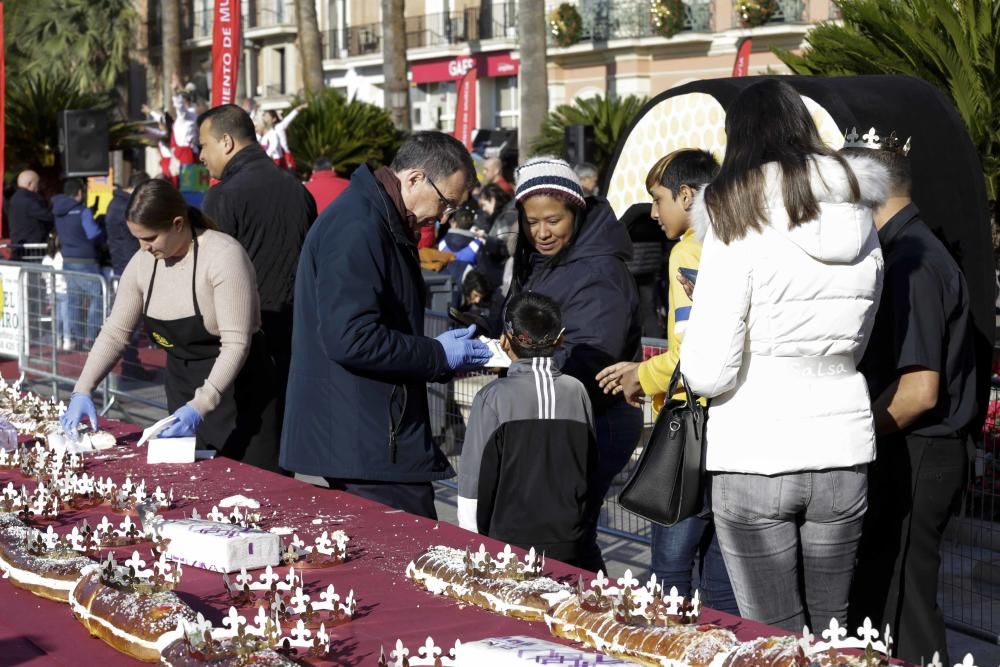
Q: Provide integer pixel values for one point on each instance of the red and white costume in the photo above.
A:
(184, 137)
(275, 141)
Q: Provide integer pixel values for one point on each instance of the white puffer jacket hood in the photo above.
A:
(779, 319)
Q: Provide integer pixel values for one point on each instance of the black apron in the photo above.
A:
(245, 424)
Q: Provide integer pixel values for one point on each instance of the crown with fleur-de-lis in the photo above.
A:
(872, 140)
(429, 655)
(327, 550)
(633, 603)
(133, 575)
(505, 565)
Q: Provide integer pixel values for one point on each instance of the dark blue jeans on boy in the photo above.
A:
(675, 552)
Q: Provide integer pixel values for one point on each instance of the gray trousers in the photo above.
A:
(789, 543)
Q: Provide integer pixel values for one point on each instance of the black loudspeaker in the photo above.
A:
(579, 144)
(83, 142)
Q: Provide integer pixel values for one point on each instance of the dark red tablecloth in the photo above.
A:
(34, 631)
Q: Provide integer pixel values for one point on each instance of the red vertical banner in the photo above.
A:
(465, 108)
(226, 43)
(741, 67)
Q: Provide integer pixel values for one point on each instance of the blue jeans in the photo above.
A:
(63, 318)
(789, 542)
(675, 550)
(84, 293)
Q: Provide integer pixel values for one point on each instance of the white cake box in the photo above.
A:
(520, 650)
(170, 450)
(220, 547)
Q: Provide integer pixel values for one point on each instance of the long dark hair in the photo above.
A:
(525, 248)
(155, 204)
(767, 122)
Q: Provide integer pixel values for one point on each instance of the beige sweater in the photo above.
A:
(227, 296)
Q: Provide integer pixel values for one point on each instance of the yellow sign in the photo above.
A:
(161, 341)
(100, 190)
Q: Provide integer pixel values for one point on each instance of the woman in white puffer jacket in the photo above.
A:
(787, 291)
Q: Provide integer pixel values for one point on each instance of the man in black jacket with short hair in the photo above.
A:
(266, 209)
(31, 219)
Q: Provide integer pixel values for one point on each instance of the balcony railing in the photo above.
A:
(605, 20)
(271, 13)
(474, 23)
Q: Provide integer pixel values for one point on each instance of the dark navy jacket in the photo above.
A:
(598, 298)
(30, 218)
(80, 236)
(360, 362)
(121, 244)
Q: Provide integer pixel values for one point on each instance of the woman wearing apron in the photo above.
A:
(194, 289)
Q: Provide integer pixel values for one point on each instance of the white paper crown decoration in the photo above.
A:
(642, 604)
(506, 564)
(240, 637)
(872, 140)
(428, 655)
(328, 549)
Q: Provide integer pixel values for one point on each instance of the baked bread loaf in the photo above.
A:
(671, 645)
(181, 653)
(457, 574)
(139, 625)
(48, 573)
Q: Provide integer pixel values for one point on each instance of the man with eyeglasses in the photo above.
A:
(356, 412)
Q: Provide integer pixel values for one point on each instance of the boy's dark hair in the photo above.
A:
(692, 167)
(71, 186)
(137, 179)
(533, 323)
(475, 282)
(230, 119)
(322, 163)
(438, 154)
(900, 175)
(462, 218)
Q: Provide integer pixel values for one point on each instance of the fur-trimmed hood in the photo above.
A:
(840, 232)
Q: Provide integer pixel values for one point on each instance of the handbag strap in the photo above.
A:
(677, 380)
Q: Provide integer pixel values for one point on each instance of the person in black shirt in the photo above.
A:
(266, 209)
(920, 370)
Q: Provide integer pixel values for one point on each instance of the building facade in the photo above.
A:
(618, 50)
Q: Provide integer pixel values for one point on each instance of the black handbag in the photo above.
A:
(667, 485)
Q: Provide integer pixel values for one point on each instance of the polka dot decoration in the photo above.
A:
(695, 120)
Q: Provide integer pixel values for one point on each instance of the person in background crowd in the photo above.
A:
(82, 241)
(122, 245)
(493, 173)
(356, 411)
(184, 131)
(588, 175)
(274, 138)
(163, 133)
(267, 210)
(783, 305)
(194, 289)
(529, 456)
(461, 242)
(672, 183)
(574, 250)
(324, 184)
(920, 367)
(500, 239)
(31, 219)
(54, 259)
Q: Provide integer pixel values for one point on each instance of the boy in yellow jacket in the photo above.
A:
(672, 183)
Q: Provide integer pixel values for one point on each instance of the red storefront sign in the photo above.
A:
(453, 69)
(226, 41)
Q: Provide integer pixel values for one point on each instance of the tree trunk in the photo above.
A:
(397, 88)
(171, 18)
(310, 46)
(533, 80)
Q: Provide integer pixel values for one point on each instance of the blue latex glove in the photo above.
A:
(80, 406)
(185, 425)
(462, 350)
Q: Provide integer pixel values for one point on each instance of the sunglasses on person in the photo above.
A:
(449, 208)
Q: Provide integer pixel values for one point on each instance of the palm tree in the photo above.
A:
(953, 44)
(533, 80)
(397, 88)
(87, 39)
(310, 45)
(171, 26)
(610, 117)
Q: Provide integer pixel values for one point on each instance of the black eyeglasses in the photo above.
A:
(449, 208)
